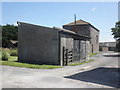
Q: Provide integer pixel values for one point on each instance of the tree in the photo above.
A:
(116, 31)
(0, 36)
(9, 32)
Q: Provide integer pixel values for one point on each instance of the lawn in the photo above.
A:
(13, 58)
(12, 61)
(75, 64)
(92, 54)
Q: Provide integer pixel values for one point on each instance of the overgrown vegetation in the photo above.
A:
(13, 52)
(4, 54)
(75, 64)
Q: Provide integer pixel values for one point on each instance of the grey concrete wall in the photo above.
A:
(77, 46)
(88, 49)
(66, 42)
(94, 34)
(80, 29)
(82, 50)
(87, 30)
(38, 44)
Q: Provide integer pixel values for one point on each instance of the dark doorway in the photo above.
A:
(92, 48)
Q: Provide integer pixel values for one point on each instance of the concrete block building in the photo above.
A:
(55, 46)
(107, 46)
(85, 28)
(44, 45)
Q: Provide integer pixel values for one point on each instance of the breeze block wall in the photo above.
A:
(37, 44)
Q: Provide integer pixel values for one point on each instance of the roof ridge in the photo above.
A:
(84, 21)
(78, 22)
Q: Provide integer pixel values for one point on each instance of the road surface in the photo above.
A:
(102, 73)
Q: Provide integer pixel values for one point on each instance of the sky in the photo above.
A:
(102, 15)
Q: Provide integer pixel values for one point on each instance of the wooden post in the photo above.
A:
(63, 56)
(75, 22)
(66, 57)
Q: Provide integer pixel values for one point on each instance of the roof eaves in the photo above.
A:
(94, 27)
(70, 32)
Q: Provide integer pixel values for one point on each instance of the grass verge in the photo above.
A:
(12, 62)
(92, 54)
(12, 59)
(75, 64)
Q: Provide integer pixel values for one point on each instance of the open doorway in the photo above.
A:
(92, 48)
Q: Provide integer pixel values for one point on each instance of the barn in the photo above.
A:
(55, 46)
(87, 29)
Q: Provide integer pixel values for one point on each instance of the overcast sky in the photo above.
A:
(102, 15)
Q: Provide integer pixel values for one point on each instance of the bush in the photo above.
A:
(13, 53)
(5, 55)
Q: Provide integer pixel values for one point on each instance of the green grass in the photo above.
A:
(12, 62)
(92, 54)
(13, 52)
(75, 64)
(12, 59)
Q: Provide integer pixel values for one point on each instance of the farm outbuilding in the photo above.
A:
(55, 46)
(85, 28)
(107, 46)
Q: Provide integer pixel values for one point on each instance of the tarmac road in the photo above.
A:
(102, 73)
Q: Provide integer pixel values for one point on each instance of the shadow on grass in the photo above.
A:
(102, 75)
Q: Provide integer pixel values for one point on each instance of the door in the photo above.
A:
(82, 50)
(76, 50)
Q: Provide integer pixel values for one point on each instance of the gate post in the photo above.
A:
(63, 56)
(66, 57)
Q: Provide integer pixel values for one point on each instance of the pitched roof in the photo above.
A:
(55, 28)
(78, 22)
(71, 32)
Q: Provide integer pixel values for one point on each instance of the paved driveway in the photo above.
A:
(102, 73)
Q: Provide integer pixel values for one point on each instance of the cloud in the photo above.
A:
(93, 9)
(15, 24)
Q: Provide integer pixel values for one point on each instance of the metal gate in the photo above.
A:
(67, 56)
